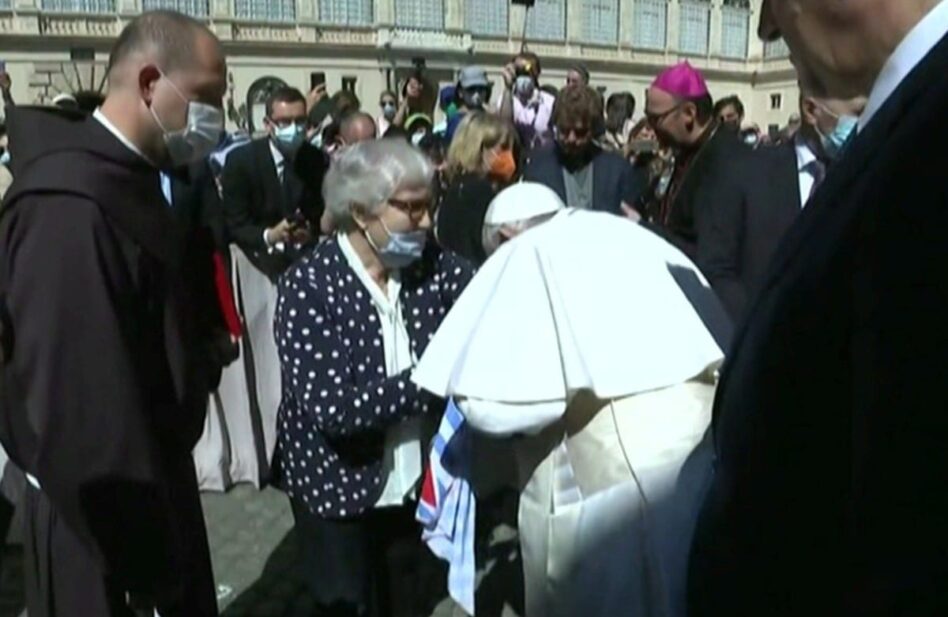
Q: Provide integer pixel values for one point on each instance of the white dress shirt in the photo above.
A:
(403, 457)
(910, 52)
(809, 174)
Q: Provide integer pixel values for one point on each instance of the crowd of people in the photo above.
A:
(707, 362)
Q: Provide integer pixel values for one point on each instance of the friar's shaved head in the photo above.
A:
(169, 38)
(166, 72)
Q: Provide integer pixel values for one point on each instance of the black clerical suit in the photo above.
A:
(104, 307)
(688, 195)
(749, 204)
(257, 198)
(831, 418)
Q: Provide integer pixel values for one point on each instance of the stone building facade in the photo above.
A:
(52, 46)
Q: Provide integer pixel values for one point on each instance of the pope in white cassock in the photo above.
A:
(595, 343)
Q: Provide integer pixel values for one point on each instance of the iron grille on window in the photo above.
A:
(423, 14)
(194, 8)
(547, 20)
(346, 12)
(78, 6)
(265, 10)
(601, 21)
(693, 27)
(649, 24)
(487, 17)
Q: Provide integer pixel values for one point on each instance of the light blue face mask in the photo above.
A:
(402, 248)
(288, 138)
(5, 158)
(834, 142)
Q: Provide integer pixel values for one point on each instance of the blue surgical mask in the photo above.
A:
(288, 138)
(5, 158)
(402, 248)
(388, 110)
(834, 142)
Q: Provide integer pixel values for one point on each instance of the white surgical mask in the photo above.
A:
(200, 134)
(524, 86)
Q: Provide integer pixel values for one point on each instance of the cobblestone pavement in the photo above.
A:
(254, 556)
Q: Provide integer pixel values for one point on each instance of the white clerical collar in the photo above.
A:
(98, 115)
(910, 52)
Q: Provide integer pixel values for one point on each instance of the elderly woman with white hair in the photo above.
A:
(352, 318)
(595, 343)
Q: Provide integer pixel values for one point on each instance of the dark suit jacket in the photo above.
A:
(614, 180)
(254, 199)
(196, 202)
(461, 216)
(831, 418)
(748, 206)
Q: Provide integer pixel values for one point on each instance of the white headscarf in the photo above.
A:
(586, 301)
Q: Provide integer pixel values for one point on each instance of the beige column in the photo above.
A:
(575, 21)
(755, 47)
(673, 20)
(129, 7)
(454, 15)
(716, 26)
(306, 10)
(626, 22)
(384, 12)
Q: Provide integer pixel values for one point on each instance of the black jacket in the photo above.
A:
(254, 198)
(105, 373)
(831, 417)
(614, 180)
(682, 227)
(748, 206)
(461, 216)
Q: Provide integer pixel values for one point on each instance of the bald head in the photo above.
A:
(161, 63)
(171, 40)
(356, 127)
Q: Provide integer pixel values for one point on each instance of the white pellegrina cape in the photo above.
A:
(594, 337)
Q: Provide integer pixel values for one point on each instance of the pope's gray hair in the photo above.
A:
(492, 237)
(368, 174)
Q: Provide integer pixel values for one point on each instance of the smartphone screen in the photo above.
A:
(316, 78)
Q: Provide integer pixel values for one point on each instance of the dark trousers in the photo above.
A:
(372, 565)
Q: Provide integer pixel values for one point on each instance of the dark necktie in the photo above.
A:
(817, 169)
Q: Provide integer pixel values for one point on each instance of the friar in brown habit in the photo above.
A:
(103, 305)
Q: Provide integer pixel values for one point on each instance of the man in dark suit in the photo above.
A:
(831, 418)
(753, 201)
(271, 187)
(579, 171)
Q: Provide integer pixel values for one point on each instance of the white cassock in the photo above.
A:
(593, 336)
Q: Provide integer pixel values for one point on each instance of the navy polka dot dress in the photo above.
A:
(337, 401)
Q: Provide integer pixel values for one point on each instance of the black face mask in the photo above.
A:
(575, 158)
